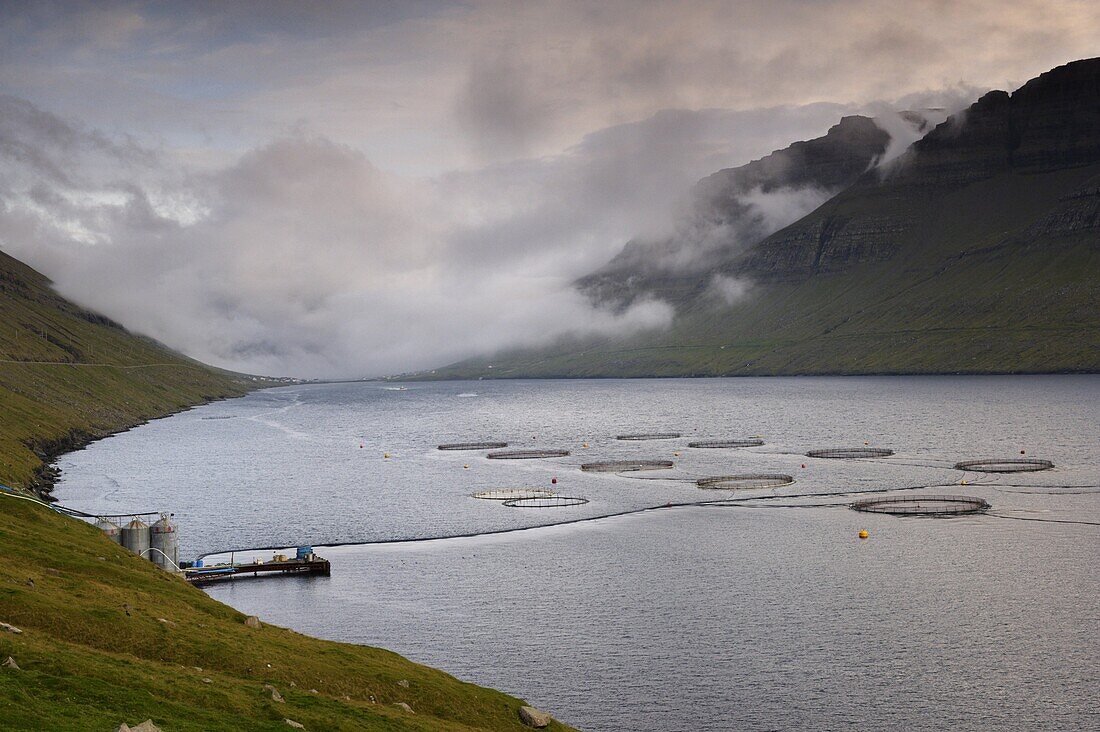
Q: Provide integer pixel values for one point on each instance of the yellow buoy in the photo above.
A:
(386, 455)
(675, 454)
(465, 467)
(585, 445)
(962, 482)
(863, 534)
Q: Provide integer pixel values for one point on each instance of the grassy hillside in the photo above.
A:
(109, 638)
(68, 375)
(968, 294)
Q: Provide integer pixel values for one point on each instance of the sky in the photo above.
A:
(354, 189)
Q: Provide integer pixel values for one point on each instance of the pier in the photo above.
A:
(306, 563)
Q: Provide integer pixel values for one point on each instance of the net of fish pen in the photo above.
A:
(511, 494)
(747, 481)
(473, 446)
(625, 466)
(753, 442)
(650, 436)
(526, 454)
(922, 505)
(546, 502)
(1013, 465)
(848, 453)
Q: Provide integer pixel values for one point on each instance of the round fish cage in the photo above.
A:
(849, 453)
(1011, 465)
(546, 502)
(751, 442)
(472, 446)
(526, 454)
(922, 505)
(650, 436)
(625, 466)
(511, 494)
(748, 481)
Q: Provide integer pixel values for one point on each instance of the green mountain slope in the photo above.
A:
(979, 253)
(107, 637)
(68, 375)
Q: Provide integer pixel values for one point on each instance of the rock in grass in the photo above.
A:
(534, 718)
(253, 622)
(123, 728)
(146, 726)
(295, 725)
(403, 683)
(9, 662)
(7, 627)
(406, 707)
(275, 695)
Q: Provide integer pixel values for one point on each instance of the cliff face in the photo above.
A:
(977, 251)
(725, 215)
(1050, 124)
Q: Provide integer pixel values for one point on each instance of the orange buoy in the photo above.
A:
(863, 534)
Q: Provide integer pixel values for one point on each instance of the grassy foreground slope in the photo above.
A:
(68, 375)
(109, 638)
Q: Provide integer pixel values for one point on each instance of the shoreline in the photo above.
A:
(76, 439)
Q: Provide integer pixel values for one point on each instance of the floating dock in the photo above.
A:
(306, 563)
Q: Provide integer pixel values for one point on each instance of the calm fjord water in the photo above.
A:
(703, 618)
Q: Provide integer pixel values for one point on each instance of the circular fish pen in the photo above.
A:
(850, 453)
(748, 481)
(1012, 465)
(546, 502)
(625, 466)
(922, 505)
(472, 446)
(511, 494)
(649, 436)
(526, 454)
(753, 442)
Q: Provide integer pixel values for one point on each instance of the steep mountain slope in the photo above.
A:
(68, 375)
(978, 252)
(729, 209)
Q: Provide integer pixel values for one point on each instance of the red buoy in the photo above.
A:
(803, 464)
(554, 481)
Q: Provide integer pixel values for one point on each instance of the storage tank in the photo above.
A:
(164, 539)
(110, 529)
(135, 537)
(304, 552)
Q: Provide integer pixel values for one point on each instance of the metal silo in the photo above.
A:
(135, 537)
(165, 542)
(110, 529)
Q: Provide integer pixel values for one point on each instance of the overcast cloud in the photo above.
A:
(354, 189)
